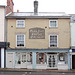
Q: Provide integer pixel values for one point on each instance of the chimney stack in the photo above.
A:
(9, 7)
(35, 7)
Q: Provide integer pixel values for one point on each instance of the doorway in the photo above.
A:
(52, 61)
(73, 61)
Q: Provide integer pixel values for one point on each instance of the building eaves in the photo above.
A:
(38, 15)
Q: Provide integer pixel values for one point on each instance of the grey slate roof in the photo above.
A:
(38, 15)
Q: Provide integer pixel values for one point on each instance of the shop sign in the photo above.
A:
(36, 33)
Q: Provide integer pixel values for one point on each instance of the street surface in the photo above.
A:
(34, 73)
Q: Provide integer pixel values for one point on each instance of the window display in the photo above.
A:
(23, 57)
(41, 58)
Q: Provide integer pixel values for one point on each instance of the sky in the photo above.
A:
(67, 6)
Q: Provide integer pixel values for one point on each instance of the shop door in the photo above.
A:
(73, 61)
(10, 60)
(52, 61)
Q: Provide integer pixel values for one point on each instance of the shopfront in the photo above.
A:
(38, 59)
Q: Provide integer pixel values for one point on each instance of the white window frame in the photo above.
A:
(49, 39)
(24, 40)
(17, 23)
(56, 23)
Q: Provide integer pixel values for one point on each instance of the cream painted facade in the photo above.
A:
(2, 23)
(63, 32)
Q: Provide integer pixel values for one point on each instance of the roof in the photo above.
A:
(38, 15)
(72, 17)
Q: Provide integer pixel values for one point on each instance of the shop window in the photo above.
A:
(41, 58)
(63, 58)
(18, 58)
(23, 57)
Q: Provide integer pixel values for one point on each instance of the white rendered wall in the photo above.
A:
(2, 57)
(72, 33)
(2, 18)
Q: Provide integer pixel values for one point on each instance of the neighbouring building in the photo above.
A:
(3, 41)
(72, 25)
(38, 40)
(2, 37)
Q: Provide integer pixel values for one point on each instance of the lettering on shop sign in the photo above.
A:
(36, 33)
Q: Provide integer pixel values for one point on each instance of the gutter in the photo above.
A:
(38, 17)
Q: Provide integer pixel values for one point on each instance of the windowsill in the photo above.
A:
(52, 47)
(20, 27)
(20, 47)
(53, 27)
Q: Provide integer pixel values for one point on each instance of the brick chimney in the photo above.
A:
(35, 7)
(17, 10)
(9, 7)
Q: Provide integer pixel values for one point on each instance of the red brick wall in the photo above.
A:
(9, 7)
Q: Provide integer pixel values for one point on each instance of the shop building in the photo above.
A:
(3, 31)
(72, 51)
(3, 43)
(38, 40)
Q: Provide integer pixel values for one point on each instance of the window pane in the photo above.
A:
(53, 23)
(20, 23)
(20, 40)
(17, 58)
(53, 41)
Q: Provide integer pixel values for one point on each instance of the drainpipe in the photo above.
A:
(5, 37)
(68, 60)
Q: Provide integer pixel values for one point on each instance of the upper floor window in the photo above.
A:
(20, 23)
(53, 41)
(20, 40)
(53, 23)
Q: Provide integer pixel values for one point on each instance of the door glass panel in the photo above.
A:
(52, 61)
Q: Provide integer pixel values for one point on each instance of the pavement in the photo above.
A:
(35, 70)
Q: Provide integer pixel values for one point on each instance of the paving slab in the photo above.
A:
(34, 70)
